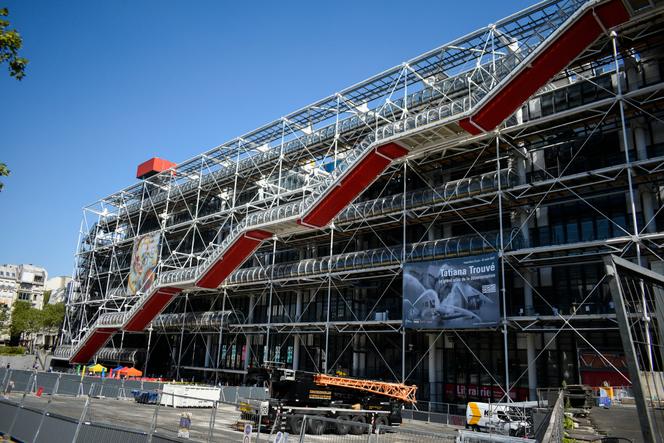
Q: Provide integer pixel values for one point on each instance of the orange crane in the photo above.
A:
(398, 391)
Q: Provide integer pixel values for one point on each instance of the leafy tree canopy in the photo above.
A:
(26, 319)
(53, 315)
(10, 44)
(4, 172)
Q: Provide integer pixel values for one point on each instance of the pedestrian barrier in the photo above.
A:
(481, 437)
(441, 413)
(388, 434)
(315, 428)
(53, 407)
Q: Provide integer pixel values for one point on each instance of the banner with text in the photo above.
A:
(457, 293)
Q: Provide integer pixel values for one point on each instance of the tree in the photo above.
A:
(10, 43)
(25, 320)
(53, 315)
(28, 320)
(4, 319)
(4, 172)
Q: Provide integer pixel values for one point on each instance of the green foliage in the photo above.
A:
(53, 315)
(26, 319)
(10, 44)
(4, 317)
(46, 297)
(12, 350)
(4, 172)
(568, 423)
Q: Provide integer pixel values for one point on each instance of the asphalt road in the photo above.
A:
(623, 421)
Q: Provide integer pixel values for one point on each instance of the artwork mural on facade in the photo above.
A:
(144, 259)
(455, 293)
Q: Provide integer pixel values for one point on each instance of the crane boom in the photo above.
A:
(398, 391)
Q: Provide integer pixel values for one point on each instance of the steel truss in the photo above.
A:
(492, 186)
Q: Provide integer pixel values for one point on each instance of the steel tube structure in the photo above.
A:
(303, 226)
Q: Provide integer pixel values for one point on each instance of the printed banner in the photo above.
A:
(144, 259)
(458, 293)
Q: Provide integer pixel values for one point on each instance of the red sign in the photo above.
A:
(40, 391)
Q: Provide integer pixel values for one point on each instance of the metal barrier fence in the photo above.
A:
(555, 431)
(47, 407)
(481, 437)
(72, 384)
(388, 434)
(339, 431)
(50, 407)
(442, 413)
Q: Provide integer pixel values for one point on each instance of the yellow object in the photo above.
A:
(475, 413)
(96, 368)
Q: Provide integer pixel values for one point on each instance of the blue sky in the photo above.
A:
(113, 83)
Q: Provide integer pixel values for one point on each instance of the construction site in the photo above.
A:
(477, 224)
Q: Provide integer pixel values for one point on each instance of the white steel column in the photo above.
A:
(502, 270)
(645, 192)
(356, 356)
(250, 320)
(208, 353)
(296, 337)
(531, 354)
(433, 368)
(329, 299)
(177, 369)
(247, 351)
(219, 338)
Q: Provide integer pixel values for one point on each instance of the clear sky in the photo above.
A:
(113, 83)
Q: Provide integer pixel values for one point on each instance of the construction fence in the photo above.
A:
(50, 407)
(76, 385)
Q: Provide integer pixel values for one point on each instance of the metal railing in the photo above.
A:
(55, 407)
(555, 431)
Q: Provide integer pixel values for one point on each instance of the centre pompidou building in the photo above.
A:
(442, 223)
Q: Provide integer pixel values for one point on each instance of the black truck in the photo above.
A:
(351, 402)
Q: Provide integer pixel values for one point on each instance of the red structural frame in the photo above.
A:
(151, 308)
(235, 255)
(352, 184)
(95, 341)
(569, 45)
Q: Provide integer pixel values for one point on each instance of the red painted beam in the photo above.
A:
(560, 53)
(353, 184)
(235, 255)
(150, 309)
(92, 344)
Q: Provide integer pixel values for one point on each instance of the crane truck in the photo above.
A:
(352, 402)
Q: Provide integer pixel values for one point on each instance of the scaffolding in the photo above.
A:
(288, 243)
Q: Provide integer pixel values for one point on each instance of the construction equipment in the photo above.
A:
(398, 391)
(296, 394)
